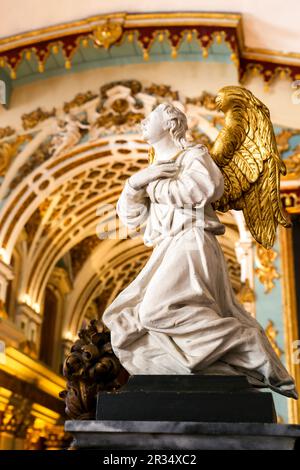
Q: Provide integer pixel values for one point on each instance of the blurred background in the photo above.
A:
(75, 81)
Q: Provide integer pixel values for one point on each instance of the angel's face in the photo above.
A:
(153, 127)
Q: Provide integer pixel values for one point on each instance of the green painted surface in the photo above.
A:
(269, 306)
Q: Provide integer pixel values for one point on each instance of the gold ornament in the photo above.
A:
(107, 34)
(30, 120)
(246, 293)
(6, 132)
(272, 334)
(41, 67)
(266, 271)
(292, 164)
(68, 64)
(3, 312)
(9, 150)
(204, 52)
(247, 155)
(174, 53)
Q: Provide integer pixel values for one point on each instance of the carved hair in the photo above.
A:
(176, 123)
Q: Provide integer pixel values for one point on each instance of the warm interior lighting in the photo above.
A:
(4, 255)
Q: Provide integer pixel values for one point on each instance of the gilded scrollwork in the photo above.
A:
(107, 34)
(9, 150)
(283, 139)
(32, 119)
(246, 294)
(292, 163)
(291, 200)
(205, 100)
(272, 333)
(172, 28)
(163, 91)
(6, 132)
(79, 100)
(266, 270)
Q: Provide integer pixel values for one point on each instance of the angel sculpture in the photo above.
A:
(180, 314)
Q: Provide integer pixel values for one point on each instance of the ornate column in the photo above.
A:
(15, 419)
(57, 438)
(29, 320)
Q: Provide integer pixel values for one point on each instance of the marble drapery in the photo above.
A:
(180, 314)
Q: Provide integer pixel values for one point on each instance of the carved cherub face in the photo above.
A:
(154, 126)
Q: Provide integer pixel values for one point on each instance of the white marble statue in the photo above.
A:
(180, 314)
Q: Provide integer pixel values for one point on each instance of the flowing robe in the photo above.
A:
(180, 314)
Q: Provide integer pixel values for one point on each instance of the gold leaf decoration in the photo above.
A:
(266, 271)
(107, 34)
(272, 334)
(247, 155)
(30, 120)
(9, 150)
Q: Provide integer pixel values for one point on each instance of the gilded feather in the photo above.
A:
(246, 153)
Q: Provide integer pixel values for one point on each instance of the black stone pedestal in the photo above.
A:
(169, 435)
(187, 398)
(189, 412)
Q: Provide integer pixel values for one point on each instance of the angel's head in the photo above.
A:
(165, 120)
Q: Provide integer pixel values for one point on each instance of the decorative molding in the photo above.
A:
(30, 120)
(290, 316)
(266, 270)
(6, 132)
(272, 334)
(290, 183)
(291, 198)
(9, 149)
(246, 295)
(292, 164)
(105, 31)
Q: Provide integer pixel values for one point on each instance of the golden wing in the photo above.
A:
(246, 153)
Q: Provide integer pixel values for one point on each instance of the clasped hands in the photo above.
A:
(152, 173)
